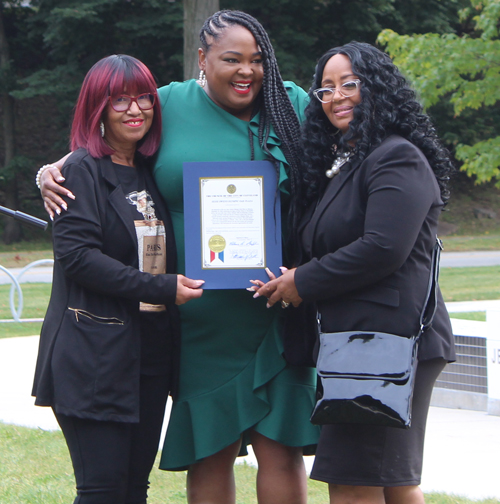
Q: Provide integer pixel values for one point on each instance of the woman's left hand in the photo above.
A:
(281, 289)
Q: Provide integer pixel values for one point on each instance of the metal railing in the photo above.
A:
(17, 289)
(469, 372)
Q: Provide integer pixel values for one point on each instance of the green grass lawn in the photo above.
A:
(467, 243)
(470, 284)
(35, 469)
(35, 300)
(479, 316)
(18, 255)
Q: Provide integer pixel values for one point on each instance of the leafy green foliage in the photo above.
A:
(19, 165)
(301, 32)
(53, 43)
(464, 69)
(76, 34)
(481, 159)
(442, 64)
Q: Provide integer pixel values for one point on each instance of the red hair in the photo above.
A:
(110, 77)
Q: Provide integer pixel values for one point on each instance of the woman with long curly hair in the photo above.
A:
(375, 180)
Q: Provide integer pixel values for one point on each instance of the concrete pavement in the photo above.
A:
(465, 259)
(37, 274)
(461, 449)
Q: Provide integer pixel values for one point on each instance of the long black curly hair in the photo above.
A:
(388, 106)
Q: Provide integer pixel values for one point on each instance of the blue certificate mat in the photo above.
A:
(232, 222)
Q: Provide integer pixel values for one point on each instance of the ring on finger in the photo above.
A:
(284, 304)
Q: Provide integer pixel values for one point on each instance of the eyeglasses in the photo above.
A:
(122, 103)
(348, 89)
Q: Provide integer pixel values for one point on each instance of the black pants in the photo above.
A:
(112, 460)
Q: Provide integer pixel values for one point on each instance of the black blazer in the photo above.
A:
(368, 246)
(89, 355)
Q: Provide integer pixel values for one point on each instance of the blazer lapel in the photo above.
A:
(117, 197)
(331, 192)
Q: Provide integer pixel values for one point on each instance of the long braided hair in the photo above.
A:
(276, 108)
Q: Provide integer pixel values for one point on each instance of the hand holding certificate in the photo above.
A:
(232, 222)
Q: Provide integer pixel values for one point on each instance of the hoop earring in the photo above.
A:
(202, 79)
(103, 131)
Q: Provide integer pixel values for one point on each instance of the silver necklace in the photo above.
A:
(342, 158)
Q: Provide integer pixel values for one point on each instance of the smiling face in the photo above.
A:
(340, 111)
(234, 71)
(124, 129)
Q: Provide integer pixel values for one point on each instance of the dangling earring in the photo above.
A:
(202, 79)
(103, 131)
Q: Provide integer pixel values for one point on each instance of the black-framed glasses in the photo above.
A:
(122, 103)
(348, 89)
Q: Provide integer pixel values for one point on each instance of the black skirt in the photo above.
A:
(367, 455)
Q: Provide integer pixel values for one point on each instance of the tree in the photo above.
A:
(302, 31)
(195, 13)
(45, 51)
(53, 43)
(15, 56)
(12, 229)
(464, 69)
(78, 33)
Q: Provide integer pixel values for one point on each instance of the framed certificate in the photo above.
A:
(232, 222)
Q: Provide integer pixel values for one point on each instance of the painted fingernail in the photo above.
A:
(58, 211)
(65, 206)
(51, 218)
(256, 295)
(71, 195)
(61, 179)
(282, 268)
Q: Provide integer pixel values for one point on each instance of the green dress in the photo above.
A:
(233, 376)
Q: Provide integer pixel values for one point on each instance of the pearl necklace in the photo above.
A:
(341, 159)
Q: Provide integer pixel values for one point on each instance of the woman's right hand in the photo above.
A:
(187, 289)
(50, 188)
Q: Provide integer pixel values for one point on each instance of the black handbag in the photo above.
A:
(367, 377)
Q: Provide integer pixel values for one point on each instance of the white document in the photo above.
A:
(232, 222)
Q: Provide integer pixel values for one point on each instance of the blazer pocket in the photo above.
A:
(378, 294)
(95, 318)
(91, 357)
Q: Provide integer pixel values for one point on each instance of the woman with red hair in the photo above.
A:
(108, 353)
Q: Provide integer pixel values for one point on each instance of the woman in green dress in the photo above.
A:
(235, 386)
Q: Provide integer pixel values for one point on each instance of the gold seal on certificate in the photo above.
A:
(231, 188)
(216, 243)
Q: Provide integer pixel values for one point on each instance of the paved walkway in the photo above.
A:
(464, 259)
(461, 451)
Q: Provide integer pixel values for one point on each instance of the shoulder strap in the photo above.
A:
(430, 304)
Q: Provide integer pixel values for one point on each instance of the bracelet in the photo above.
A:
(40, 171)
